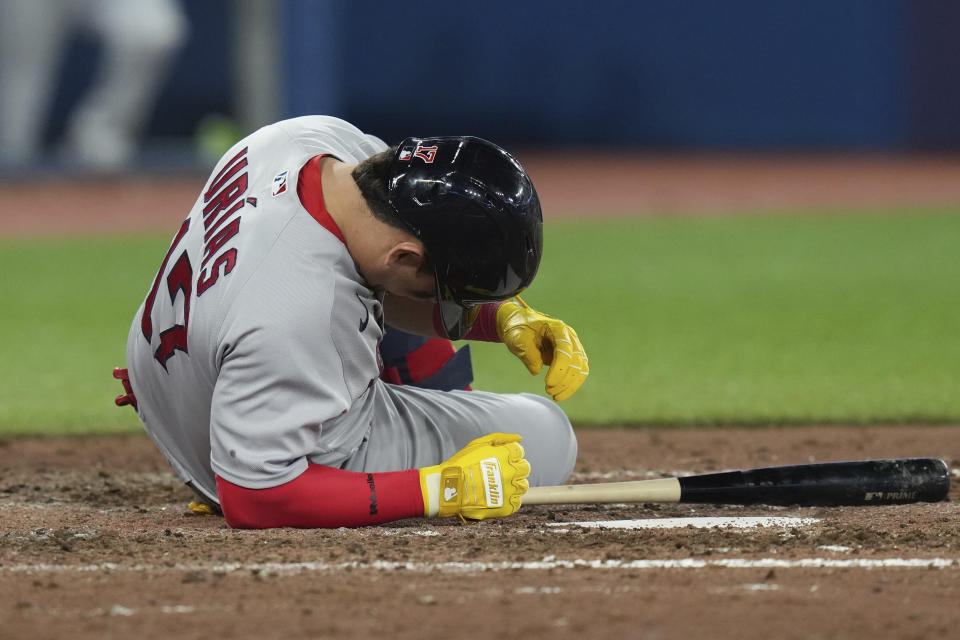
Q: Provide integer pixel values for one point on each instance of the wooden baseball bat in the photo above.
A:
(855, 482)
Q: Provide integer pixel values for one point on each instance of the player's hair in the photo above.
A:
(373, 178)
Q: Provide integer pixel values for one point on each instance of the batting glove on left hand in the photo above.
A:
(537, 339)
(485, 479)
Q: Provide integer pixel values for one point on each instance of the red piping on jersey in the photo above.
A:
(324, 497)
(310, 190)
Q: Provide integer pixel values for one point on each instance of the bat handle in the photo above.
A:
(658, 490)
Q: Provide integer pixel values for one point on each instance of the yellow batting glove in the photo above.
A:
(537, 339)
(485, 479)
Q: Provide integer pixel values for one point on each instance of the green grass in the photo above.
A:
(68, 304)
(841, 318)
(751, 320)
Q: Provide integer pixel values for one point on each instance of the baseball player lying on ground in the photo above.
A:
(292, 359)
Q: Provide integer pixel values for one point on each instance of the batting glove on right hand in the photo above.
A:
(485, 479)
(537, 339)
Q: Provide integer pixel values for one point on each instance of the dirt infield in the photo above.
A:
(570, 185)
(96, 541)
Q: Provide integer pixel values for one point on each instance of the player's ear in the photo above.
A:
(406, 254)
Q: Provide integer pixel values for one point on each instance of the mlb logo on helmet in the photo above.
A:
(427, 154)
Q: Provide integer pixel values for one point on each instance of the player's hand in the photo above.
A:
(485, 479)
(537, 339)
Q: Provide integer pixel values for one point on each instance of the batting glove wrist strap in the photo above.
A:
(485, 479)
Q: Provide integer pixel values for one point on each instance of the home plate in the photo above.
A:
(742, 522)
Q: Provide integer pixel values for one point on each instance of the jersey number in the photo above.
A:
(179, 280)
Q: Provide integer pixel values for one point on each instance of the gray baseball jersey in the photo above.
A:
(255, 351)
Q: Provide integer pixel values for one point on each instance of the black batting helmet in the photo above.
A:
(478, 216)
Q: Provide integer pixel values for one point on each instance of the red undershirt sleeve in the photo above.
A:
(484, 327)
(324, 497)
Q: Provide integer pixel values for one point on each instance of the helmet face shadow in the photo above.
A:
(478, 215)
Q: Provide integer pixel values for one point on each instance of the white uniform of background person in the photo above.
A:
(137, 38)
(282, 365)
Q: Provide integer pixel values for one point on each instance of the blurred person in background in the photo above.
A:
(138, 39)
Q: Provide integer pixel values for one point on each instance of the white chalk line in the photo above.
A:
(292, 568)
(734, 522)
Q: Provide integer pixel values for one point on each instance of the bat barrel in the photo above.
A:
(860, 482)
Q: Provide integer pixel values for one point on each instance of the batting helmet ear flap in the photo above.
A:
(478, 215)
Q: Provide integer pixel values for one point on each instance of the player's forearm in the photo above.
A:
(324, 497)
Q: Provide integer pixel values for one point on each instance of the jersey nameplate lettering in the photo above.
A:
(221, 221)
